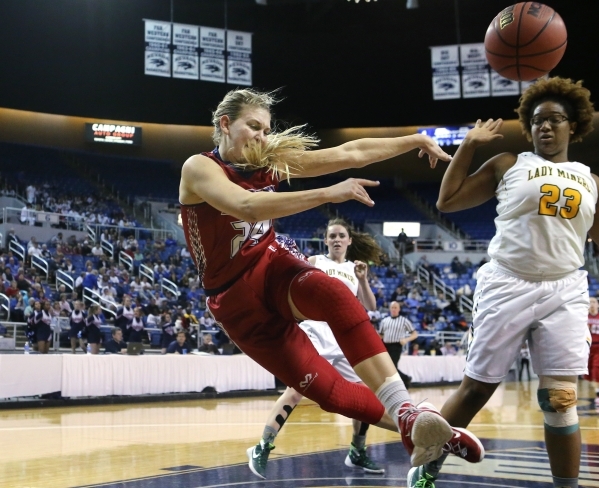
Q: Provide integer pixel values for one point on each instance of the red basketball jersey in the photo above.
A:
(222, 246)
(594, 326)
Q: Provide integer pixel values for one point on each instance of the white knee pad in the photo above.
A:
(557, 397)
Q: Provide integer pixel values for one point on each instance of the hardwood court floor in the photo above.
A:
(202, 444)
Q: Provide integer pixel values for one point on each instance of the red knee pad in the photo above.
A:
(320, 297)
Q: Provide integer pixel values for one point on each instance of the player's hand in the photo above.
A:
(484, 132)
(361, 270)
(351, 189)
(430, 147)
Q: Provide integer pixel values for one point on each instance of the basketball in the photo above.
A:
(525, 41)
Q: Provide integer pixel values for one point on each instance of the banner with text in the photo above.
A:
(445, 62)
(503, 87)
(475, 71)
(158, 48)
(212, 57)
(185, 51)
(239, 58)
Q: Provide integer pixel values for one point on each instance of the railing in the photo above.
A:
(17, 249)
(148, 233)
(423, 275)
(1, 241)
(94, 297)
(440, 285)
(437, 245)
(41, 264)
(47, 219)
(449, 336)
(145, 270)
(64, 278)
(5, 305)
(91, 232)
(126, 260)
(107, 247)
(168, 285)
(466, 303)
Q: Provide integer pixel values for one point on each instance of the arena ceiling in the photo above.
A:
(339, 64)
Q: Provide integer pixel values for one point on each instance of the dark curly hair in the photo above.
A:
(572, 95)
(363, 246)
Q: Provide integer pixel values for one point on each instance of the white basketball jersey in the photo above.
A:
(344, 272)
(544, 212)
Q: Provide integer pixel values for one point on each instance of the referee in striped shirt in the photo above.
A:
(396, 331)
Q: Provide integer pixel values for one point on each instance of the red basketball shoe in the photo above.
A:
(465, 445)
(424, 432)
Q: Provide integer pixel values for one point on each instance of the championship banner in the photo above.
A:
(212, 57)
(158, 48)
(445, 63)
(239, 58)
(475, 71)
(185, 51)
(502, 87)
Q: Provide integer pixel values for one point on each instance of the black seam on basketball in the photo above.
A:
(528, 55)
(541, 31)
(518, 39)
(499, 34)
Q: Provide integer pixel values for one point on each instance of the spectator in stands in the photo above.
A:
(77, 325)
(31, 191)
(206, 321)
(57, 239)
(402, 240)
(208, 346)
(180, 345)
(13, 265)
(376, 283)
(457, 267)
(433, 349)
(170, 241)
(441, 302)
(11, 237)
(97, 250)
(43, 321)
(439, 243)
(168, 331)
(399, 295)
(415, 350)
(391, 272)
(448, 349)
(91, 280)
(92, 328)
(86, 250)
(28, 215)
(185, 254)
(34, 250)
(116, 345)
(22, 283)
(136, 327)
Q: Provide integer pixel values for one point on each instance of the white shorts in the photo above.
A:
(551, 315)
(325, 343)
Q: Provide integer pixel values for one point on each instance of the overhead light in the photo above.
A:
(412, 4)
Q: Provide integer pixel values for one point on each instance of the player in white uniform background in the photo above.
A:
(348, 252)
(532, 289)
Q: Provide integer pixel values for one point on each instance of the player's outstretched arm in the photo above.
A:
(459, 190)
(202, 180)
(362, 152)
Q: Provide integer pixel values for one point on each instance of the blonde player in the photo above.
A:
(345, 261)
(532, 289)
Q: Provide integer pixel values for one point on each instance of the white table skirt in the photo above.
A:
(433, 369)
(29, 374)
(103, 375)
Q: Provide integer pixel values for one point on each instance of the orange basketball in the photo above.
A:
(525, 41)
